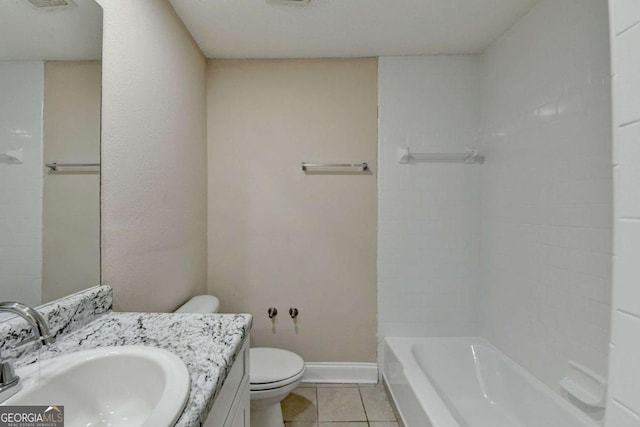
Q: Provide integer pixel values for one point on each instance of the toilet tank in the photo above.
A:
(200, 304)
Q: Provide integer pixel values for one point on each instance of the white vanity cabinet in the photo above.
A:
(231, 407)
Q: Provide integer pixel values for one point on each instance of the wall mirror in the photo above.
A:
(50, 98)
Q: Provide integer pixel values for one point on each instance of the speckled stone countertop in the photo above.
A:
(207, 343)
(63, 316)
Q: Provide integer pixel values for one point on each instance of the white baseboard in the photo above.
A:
(341, 373)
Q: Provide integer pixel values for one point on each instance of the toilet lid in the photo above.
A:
(270, 365)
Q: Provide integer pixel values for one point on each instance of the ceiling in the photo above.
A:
(59, 33)
(346, 28)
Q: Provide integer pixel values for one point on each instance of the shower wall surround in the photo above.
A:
(518, 250)
(623, 409)
(547, 189)
(429, 222)
(22, 89)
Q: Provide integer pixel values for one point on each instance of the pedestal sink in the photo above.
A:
(129, 386)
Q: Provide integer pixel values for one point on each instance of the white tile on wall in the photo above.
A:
(628, 68)
(623, 409)
(428, 222)
(627, 268)
(22, 89)
(547, 189)
(543, 208)
(613, 7)
(628, 194)
(626, 369)
(627, 14)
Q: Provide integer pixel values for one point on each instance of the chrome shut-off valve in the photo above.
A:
(293, 312)
(272, 312)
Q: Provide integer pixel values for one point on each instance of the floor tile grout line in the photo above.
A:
(364, 408)
(364, 423)
(317, 407)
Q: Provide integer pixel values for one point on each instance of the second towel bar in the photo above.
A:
(470, 155)
(362, 166)
(54, 166)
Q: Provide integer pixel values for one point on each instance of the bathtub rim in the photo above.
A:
(437, 410)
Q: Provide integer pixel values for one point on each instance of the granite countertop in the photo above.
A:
(207, 343)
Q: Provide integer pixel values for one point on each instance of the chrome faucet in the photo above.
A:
(8, 379)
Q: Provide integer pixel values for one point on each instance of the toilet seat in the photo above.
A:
(276, 385)
(273, 368)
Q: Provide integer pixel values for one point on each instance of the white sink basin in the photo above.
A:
(112, 386)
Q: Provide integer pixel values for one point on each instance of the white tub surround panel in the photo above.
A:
(623, 409)
(429, 222)
(547, 189)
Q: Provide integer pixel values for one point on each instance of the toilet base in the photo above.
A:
(266, 397)
(266, 415)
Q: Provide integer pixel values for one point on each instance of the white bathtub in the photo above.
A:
(466, 382)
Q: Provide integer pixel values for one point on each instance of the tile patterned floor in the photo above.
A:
(338, 405)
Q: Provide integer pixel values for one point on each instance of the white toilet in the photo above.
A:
(273, 372)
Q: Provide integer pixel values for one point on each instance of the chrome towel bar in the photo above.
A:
(361, 166)
(470, 155)
(54, 166)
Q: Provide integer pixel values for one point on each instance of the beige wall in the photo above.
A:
(282, 238)
(71, 204)
(153, 157)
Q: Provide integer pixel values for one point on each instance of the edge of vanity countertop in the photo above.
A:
(207, 343)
